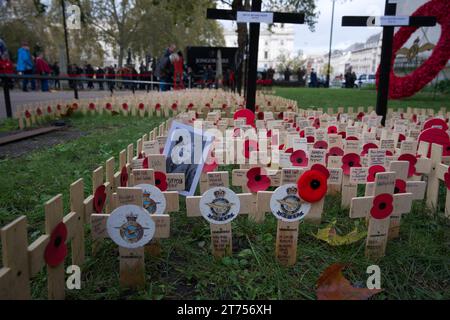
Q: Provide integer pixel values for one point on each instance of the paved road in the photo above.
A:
(19, 98)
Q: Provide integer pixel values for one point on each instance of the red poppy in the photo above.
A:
(289, 150)
(352, 138)
(208, 105)
(75, 106)
(437, 136)
(382, 206)
(91, 106)
(140, 155)
(321, 168)
(302, 134)
(108, 106)
(56, 249)
(141, 106)
(161, 180)
(336, 152)
(332, 129)
(224, 106)
(310, 139)
(367, 147)
(27, 114)
(299, 159)
(312, 186)
(247, 114)
(124, 177)
(389, 153)
(435, 123)
(190, 106)
(145, 163)
(256, 181)
(316, 123)
(125, 106)
(281, 147)
(350, 160)
(174, 106)
(210, 164)
(99, 198)
(157, 107)
(39, 111)
(414, 118)
(260, 115)
(401, 137)
(343, 134)
(321, 145)
(400, 186)
(269, 134)
(49, 109)
(280, 116)
(257, 108)
(412, 163)
(249, 146)
(360, 116)
(373, 170)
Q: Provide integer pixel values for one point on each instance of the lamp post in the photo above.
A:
(66, 36)
(329, 51)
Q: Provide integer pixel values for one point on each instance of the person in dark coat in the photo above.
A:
(164, 69)
(90, 74)
(313, 77)
(100, 74)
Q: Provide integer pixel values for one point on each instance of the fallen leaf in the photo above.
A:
(332, 285)
(329, 235)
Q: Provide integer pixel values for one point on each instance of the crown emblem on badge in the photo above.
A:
(291, 190)
(219, 193)
(131, 217)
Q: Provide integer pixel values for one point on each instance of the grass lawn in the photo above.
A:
(327, 98)
(416, 265)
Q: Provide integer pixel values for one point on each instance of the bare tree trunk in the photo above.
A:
(242, 41)
(121, 55)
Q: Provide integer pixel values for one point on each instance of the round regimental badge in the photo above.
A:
(219, 205)
(287, 205)
(154, 200)
(130, 226)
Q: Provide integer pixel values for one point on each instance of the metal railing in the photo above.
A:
(6, 82)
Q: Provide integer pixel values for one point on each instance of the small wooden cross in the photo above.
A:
(378, 209)
(438, 172)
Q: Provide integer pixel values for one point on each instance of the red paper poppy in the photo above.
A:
(75, 106)
(373, 170)
(190, 106)
(140, 155)
(447, 179)
(49, 109)
(39, 111)
(257, 108)
(367, 147)
(260, 115)
(321, 145)
(157, 107)
(208, 105)
(435, 123)
(210, 165)
(343, 134)
(437, 136)
(141, 106)
(352, 138)
(299, 159)
(316, 123)
(125, 106)
(161, 180)
(401, 137)
(280, 116)
(382, 206)
(124, 177)
(389, 153)
(91, 106)
(99, 198)
(414, 118)
(302, 134)
(332, 129)
(321, 168)
(108, 106)
(27, 114)
(249, 147)
(351, 160)
(174, 106)
(310, 139)
(247, 114)
(256, 180)
(56, 249)
(289, 150)
(224, 106)
(360, 116)
(400, 186)
(412, 163)
(336, 152)
(145, 163)
(312, 186)
(269, 134)
(281, 147)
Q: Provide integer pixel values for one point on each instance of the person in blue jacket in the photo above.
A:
(25, 65)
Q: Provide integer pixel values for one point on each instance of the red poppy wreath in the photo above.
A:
(312, 186)
(402, 87)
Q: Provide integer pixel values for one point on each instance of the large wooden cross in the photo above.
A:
(255, 18)
(388, 22)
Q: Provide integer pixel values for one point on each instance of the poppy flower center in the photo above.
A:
(299, 160)
(58, 241)
(157, 181)
(258, 178)
(351, 164)
(396, 190)
(382, 206)
(315, 184)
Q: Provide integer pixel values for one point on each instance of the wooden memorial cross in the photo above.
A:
(388, 22)
(132, 265)
(378, 209)
(440, 171)
(255, 18)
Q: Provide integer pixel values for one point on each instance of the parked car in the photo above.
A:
(366, 79)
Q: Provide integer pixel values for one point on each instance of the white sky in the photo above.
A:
(317, 42)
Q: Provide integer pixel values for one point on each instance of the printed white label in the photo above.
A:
(254, 17)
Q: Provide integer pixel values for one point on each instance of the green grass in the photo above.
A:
(327, 98)
(416, 265)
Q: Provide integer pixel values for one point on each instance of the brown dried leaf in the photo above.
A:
(332, 285)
